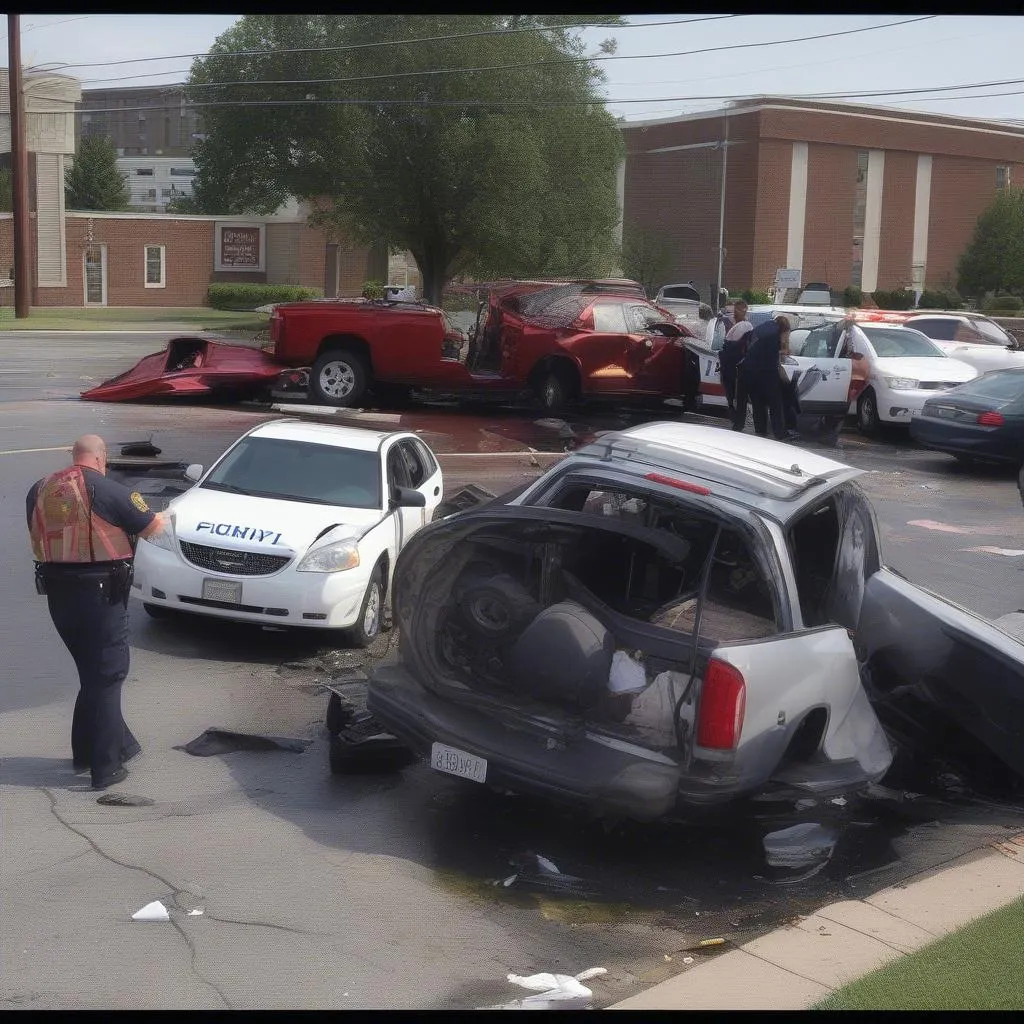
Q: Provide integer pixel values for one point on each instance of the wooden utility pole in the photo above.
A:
(19, 172)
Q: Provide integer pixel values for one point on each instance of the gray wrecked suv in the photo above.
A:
(664, 619)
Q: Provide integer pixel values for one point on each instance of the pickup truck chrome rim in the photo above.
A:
(337, 379)
(371, 617)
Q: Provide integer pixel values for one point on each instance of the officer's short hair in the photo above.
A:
(783, 323)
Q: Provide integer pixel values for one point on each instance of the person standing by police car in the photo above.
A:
(733, 350)
(761, 372)
(84, 528)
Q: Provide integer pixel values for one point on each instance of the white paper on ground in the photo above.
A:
(196, 913)
(556, 991)
(154, 911)
(547, 866)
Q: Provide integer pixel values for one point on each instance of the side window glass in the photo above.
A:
(414, 467)
(596, 502)
(429, 464)
(398, 474)
(718, 337)
(610, 318)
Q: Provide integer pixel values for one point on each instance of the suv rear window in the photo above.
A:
(943, 330)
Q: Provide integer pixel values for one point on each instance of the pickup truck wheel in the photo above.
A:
(339, 377)
(371, 612)
(551, 390)
(867, 413)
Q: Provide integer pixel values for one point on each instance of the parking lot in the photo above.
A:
(384, 891)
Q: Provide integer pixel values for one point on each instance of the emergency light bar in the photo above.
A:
(877, 316)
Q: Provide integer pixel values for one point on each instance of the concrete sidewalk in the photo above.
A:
(795, 966)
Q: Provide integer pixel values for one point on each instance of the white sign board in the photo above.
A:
(787, 278)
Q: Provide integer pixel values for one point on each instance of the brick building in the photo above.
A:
(141, 121)
(130, 259)
(869, 196)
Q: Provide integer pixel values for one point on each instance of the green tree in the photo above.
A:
(994, 261)
(646, 257)
(475, 171)
(93, 181)
(6, 190)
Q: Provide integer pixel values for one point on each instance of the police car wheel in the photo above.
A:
(156, 611)
(867, 412)
(371, 613)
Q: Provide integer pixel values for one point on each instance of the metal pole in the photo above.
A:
(19, 172)
(721, 215)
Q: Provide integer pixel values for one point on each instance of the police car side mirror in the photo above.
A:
(193, 472)
(408, 497)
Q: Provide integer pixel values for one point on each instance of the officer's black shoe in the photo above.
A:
(113, 779)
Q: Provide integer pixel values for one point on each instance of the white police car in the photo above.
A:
(296, 524)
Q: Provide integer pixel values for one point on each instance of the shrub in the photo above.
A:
(250, 296)
(756, 296)
(852, 296)
(373, 290)
(940, 298)
(899, 298)
(1005, 304)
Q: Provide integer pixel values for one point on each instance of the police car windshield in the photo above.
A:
(321, 474)
(901, 341)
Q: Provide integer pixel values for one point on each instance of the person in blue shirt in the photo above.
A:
(761, 373)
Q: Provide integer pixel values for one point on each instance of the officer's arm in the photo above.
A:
(158, 525)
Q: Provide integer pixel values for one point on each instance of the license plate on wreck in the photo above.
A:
(222, 590)
(457, 762)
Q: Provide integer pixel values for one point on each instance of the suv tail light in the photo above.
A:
(991, 419)
(723, 701)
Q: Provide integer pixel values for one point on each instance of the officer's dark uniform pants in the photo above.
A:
(765, 390)
(728, 374)
(740, 399)
(96, 633)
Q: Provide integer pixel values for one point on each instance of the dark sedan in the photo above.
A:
(982, 419)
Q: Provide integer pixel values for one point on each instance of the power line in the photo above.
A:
(399, 42)
(524, 64)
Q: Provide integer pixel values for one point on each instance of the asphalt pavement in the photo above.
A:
(388, 891)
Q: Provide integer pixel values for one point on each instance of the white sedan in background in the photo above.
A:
(971, 338)
(296, 524)
(896, 369)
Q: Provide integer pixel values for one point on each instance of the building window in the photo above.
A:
(156, 266)
(1003, 176)
(151, 193)
(146, 172)
(183, 172)
(165, 193)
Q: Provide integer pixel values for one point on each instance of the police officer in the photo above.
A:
(733, 350)
(761, 373)
(83, 528)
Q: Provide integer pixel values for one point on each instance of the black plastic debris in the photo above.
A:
(223, 741)
(464, 498)
(145, 449)
(125, 800)
(359, 743)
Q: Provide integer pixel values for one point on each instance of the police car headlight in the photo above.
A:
(903, 383)
(163, 538)
(342, 554)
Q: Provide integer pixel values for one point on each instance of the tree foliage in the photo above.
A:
(646, 257)
(994, 261)
(475, 171)
(93, 181)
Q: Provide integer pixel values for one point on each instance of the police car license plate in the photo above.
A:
(457, 762)
(222, 590)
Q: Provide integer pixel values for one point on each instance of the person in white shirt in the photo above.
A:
(733, 350)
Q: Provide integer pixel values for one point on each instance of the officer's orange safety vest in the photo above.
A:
(64, 527)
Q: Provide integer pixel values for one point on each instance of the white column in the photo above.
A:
(872, 220)
(797, 207)
(620, 196)
(922, 212)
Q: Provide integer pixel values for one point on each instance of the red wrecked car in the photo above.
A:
(557, 342)
(192, 368)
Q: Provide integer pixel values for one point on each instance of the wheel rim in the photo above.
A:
(337, 379)
(867, 411)
(371, 617)
(490, 614)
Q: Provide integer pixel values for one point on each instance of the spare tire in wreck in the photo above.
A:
(564, 656)
(493, 603)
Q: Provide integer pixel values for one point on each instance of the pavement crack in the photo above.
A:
(260, 924)
(175, 890)
(788, 970)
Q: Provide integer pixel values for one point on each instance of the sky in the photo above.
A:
(929, 56)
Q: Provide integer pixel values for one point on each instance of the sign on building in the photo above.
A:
(787, 278)
(240, 247)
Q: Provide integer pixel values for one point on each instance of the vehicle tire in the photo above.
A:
(552, 392)
(371, 612)
(867, 413)
(156, 611)
(496, 605)
(339, 377)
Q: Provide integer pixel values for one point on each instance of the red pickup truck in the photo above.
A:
(560, 343)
